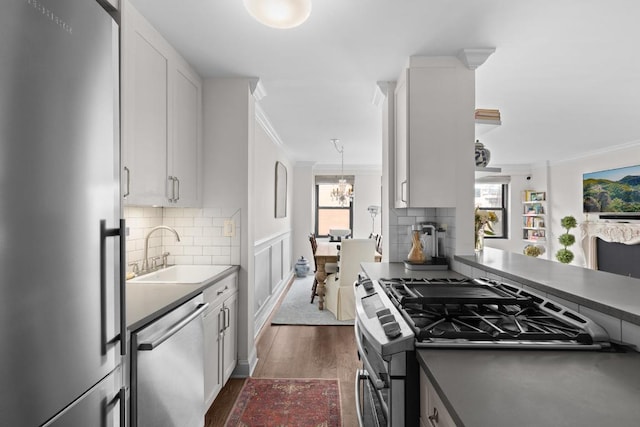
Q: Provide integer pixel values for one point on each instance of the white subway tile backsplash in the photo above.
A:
(200, 230)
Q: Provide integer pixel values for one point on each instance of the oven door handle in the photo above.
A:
(380, 384)
(359, 375)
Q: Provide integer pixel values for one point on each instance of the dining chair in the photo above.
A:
(330, 267)
(339, 297)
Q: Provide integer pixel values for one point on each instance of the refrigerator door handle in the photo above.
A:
(121, 233)
(151, 345)
(122, 397)
(128, 191)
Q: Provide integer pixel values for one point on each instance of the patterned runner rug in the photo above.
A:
(285, 402)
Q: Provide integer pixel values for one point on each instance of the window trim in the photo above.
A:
(504, 210)
(318, 207)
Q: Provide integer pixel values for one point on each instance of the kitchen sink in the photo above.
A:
(181, 274)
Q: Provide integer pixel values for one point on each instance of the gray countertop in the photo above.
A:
(148, 301)
(503, 388)
(389, 270)
(609, 293)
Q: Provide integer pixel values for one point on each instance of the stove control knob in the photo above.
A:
(383, 312)
(387, 318)
(392, 329)
(367, 284)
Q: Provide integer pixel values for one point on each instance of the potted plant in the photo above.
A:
(484, 220)
(533, 250)
(564, 255)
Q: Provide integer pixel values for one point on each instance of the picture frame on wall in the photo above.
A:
(281, 190)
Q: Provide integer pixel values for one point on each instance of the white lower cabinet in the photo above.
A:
(432, 411)
(220, 340)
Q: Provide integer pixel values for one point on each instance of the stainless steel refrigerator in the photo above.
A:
(60, 227)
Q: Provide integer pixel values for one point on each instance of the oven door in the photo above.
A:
(370, 401)
(372, 386)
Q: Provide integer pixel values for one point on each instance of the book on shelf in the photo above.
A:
(490, 114)
(535, 209)
(534, 196)
(534, 234)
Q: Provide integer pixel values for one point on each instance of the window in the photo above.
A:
(329, 213)
(493, 197)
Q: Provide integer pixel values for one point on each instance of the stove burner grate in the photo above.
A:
(482, 311)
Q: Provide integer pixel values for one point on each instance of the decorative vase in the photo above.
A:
(479, 246)
(415, 254)
(302, 267)
(483, 155)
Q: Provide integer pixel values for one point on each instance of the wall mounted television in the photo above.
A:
(612, 191)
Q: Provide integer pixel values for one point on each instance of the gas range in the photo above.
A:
(485, 313)
(394, 317)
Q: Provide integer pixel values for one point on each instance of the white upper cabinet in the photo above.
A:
(434, 131)
(184, 157)
(161, 119)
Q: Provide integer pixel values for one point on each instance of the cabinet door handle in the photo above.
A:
(227, 317)
(171, 190)
(128, 181)
(220, 323)
(403, 191)
(177, 197)
(433, 418)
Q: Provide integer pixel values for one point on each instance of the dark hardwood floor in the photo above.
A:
(299, 352)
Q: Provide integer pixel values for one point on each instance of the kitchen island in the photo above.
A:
(536, 388)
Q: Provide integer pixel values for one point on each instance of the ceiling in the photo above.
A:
(565, 74)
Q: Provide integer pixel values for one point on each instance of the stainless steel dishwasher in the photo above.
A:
(167, 371)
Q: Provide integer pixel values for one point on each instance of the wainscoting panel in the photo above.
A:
(262, 265)
(272, 268)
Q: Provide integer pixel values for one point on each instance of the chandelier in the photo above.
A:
(343, 192)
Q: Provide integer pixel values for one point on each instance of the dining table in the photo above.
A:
(327, 253)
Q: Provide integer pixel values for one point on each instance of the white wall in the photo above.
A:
(302, 209)
(266, 153)
(228, 182)
(521, 178)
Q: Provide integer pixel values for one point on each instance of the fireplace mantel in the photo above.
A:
(617, 232)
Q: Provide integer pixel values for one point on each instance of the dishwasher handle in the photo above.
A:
(150, 345)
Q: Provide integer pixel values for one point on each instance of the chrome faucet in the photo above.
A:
(145, 260)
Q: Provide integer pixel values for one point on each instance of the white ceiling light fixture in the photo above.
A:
(279, 13)
(343, 192)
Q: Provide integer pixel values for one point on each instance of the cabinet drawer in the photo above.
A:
(221, 290)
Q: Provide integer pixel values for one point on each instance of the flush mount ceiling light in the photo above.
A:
(279, 13)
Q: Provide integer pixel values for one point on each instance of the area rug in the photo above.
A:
(285, 402)
(296, 308)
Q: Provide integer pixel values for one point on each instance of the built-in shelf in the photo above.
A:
(489, 169)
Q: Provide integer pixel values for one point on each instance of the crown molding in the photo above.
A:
(473, 58)
(264, 122)
(257, 89)
(380, 93)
